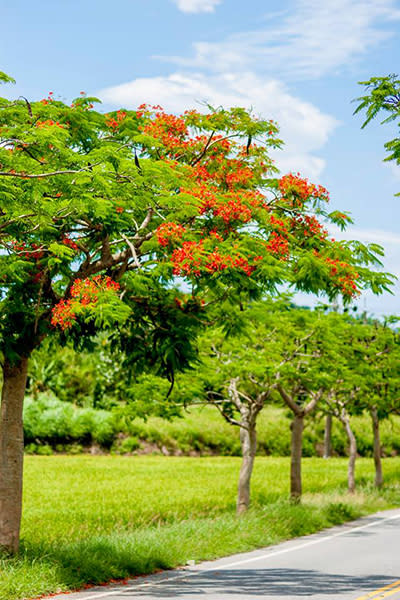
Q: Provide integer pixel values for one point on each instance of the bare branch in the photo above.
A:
(132, 249)
(4, 225)
(198, 159)
(146, 220)
(39, 175)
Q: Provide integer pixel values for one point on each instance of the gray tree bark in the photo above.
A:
(351, 480)
(248, 440)
(11, 452)
(295, 461)
(248, 407)
(297, 426)
(377, 448)
(328, 437)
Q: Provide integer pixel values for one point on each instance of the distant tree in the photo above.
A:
(281, 351)
(375, 357)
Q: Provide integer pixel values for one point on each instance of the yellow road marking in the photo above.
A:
(382, 592)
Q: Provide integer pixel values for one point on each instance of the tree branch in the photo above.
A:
(289, 400)
(132, 249)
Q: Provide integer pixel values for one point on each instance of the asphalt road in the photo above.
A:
(356, 561)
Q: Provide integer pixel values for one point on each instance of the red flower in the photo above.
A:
(297, 190)
(70, 243)
(84, 292)
(278, 245)
(168, 233)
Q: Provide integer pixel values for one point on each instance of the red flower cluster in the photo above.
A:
(70, 243)
(84, 292)
(278, 224)
(115, 122)
(29, 251)
(256, 199)
(192, 259)
(87, 290)
(48, 99)
(345, 276)
(233, 210)
(48, 123)
(168, 233)
(230, 208)
(310, 227)
(147, 108)
(63, 315)
(239, 177)
(278, 245)
(169, 129)
(298, 190)
(187, 259)
(34, 253)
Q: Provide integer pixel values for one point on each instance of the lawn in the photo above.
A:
(89, 519)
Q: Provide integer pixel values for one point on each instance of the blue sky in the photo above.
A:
(297, 61)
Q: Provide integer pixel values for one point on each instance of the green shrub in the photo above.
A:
(128, 445)
(62, 425)
(31, 448)
(45, 450)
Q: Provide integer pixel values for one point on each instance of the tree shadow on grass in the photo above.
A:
(96, 560)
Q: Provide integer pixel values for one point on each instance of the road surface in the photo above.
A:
(356, 561)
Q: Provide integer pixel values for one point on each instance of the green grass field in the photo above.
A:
(91, 519)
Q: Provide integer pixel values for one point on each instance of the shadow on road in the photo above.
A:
(264, 582)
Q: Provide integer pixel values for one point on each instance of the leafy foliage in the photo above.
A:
(383, 97)
(139, 199)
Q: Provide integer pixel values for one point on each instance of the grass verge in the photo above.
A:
(92, 519)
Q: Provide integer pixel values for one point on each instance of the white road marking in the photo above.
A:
(236, 563)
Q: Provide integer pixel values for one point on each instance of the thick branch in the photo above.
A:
(289, 400)
(313, 402)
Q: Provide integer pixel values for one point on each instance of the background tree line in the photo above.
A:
(317, 364)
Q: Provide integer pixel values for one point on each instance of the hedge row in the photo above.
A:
(51, 425)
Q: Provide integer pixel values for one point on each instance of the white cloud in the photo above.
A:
(197, 6)
(376, 236)
(304, 128)
(312, 39)
(394, 169)
(246, 69)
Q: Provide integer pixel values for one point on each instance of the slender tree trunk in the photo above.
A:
(377, 448)
(328, 437)
(351, 480)
(248, 440)
(296, 452)
(11, 452)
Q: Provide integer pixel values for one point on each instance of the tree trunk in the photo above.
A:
(328, 437)
(248, 440)
(11, 452)
(351, 480)
(377, 448)
(295, 463)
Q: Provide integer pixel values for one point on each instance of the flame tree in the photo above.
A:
(103, 215)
